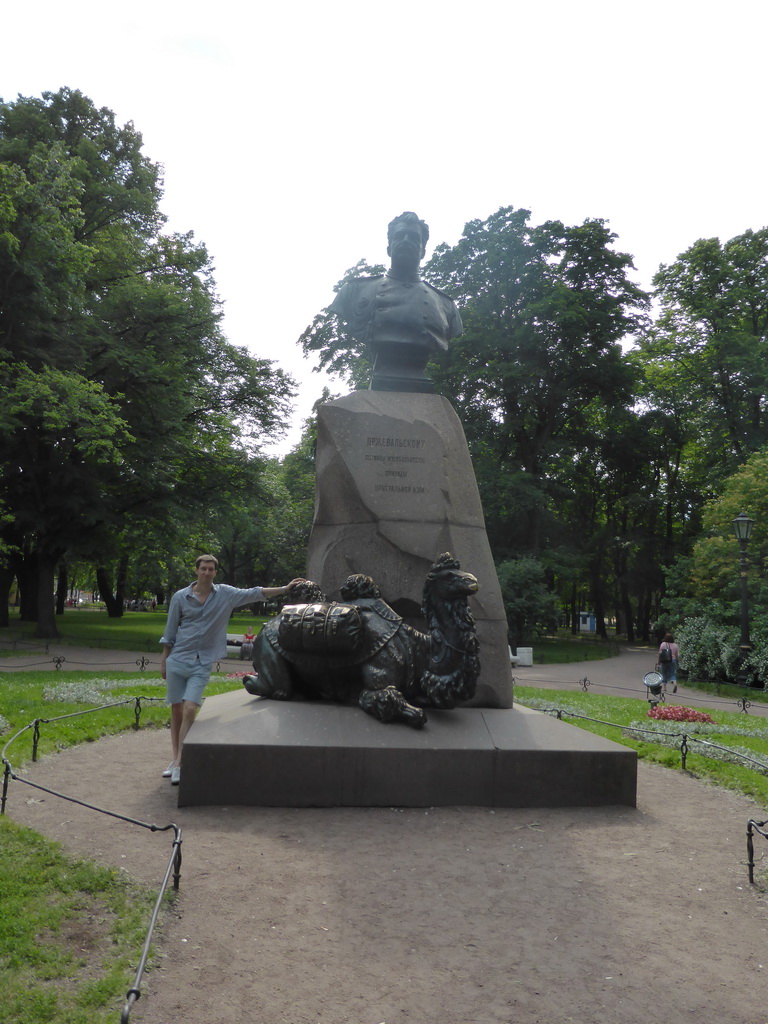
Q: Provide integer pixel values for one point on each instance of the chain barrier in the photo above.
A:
(752, 827)
(173, 867)
(742, 703)
(686, 741)
(35, 725)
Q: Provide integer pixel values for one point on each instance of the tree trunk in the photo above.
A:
(46, 617)
(598, 606)
(6, 581)
(114, 606)
(626, 607)
(121, 587)
(600, 629)
(26, 577)
(61, 589)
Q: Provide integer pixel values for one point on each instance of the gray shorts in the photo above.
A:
(185, 681)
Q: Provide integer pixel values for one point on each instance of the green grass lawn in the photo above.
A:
(141, 631)
(565, 650)
(135, 631)
(729, 731)
(71, 933)
(26, 696)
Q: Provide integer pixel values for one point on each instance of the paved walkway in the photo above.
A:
(623, 677)
(52, 657)
(619, 677)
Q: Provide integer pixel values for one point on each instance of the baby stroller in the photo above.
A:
(654, 684)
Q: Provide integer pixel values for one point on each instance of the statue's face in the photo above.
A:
(405, 245)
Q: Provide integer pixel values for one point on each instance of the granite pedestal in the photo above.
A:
(395, 489)
(243, 750)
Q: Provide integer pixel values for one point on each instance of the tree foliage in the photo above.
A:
(338, 350)
(530, 606)
(544, 310)
(707, 354)
(126, 406)
(544, 390)
(132, 430)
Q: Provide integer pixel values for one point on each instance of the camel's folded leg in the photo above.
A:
(274, 675)
(437, 692)
(256, 686)
(388, 705)
(266, 686)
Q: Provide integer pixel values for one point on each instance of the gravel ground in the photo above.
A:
(436, 916)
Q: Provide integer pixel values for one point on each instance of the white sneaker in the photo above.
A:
(169, 770)
(176, 775)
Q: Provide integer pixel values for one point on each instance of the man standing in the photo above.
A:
(195, 636)
(403, 319)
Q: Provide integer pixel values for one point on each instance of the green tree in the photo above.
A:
(339, 352)
(712, 570)
(539, 379)
(707, 352)
(43, 266)
(92, 289)
(702, 384)
(703, 601)
(268, 541)
(544, 310)
(530, 606)
(61, 437)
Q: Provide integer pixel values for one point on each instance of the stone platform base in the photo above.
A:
(246, 751)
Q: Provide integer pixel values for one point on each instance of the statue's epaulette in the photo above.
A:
(373, 277)
(442, 294)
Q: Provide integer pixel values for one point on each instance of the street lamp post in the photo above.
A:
(742, 527)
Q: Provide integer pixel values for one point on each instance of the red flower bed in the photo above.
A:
(676, 713)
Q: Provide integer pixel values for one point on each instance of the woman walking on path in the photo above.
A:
(669, 653)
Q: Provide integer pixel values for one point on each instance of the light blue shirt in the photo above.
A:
(195, 630)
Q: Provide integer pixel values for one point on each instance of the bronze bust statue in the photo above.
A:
(402, 318)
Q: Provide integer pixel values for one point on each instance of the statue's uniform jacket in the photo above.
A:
(387, 311)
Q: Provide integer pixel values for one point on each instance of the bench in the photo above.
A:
(239, 647)
(523, 657)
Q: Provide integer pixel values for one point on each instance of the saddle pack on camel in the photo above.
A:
(325, 628)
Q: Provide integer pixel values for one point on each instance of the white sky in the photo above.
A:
(291, 132)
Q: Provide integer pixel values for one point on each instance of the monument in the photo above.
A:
(395, 482)
(395, 488)
(402, 319)
(359, 649)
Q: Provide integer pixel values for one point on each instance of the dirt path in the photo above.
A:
(437, 916)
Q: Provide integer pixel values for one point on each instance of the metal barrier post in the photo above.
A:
(6, 777)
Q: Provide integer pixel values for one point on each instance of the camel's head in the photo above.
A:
(446, 578)
(358, 585)
(306, 592)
